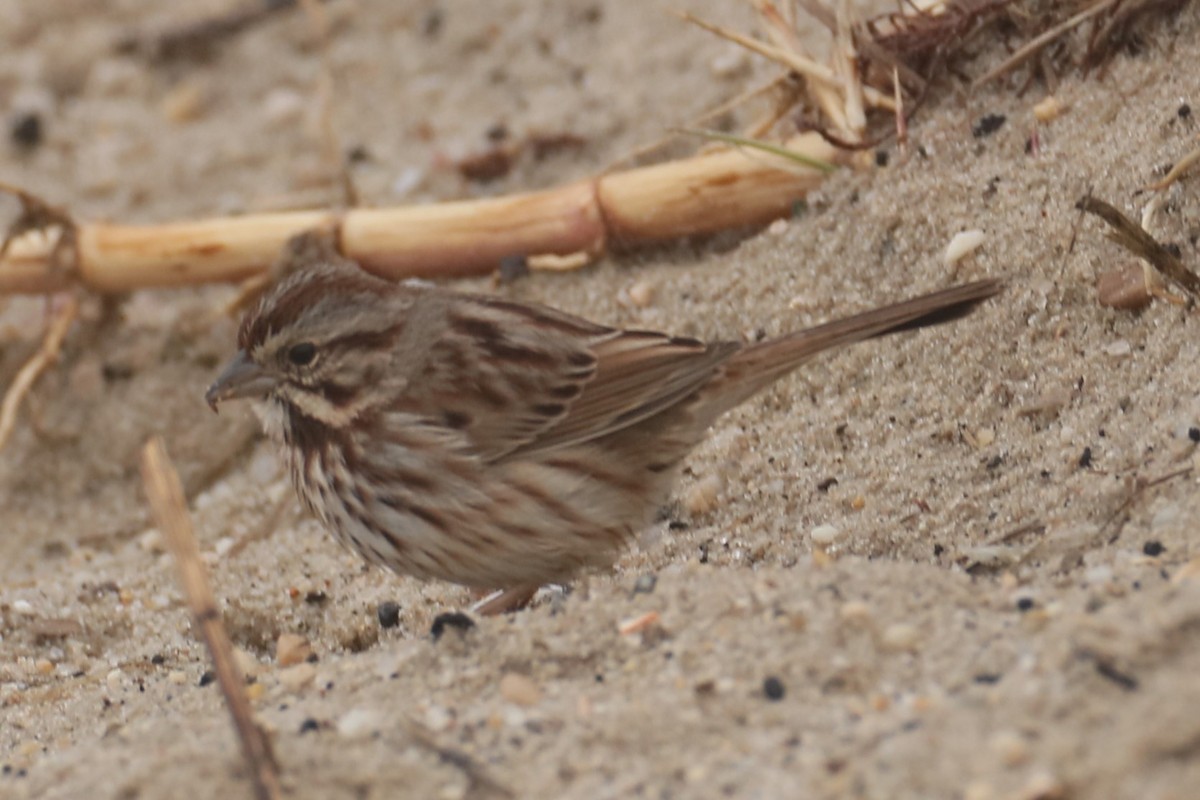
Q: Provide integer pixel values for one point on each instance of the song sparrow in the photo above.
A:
(492, 443)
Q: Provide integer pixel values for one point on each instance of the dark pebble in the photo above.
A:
(1025, 604)
(1085, 458)
(26, 130)
(645, 584)
(1194, 434)
(987, 125)
(881, 158)
(388, 613)
(451, 619)
(309, 725)
(316, 598)
(1153, 548)
(208, 677)
(1184, 111)
(158, 659)
(773, 688)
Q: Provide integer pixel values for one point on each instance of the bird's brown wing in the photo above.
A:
(540, 379)
(638, 375)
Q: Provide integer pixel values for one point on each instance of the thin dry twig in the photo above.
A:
(1133, 237)
(165, 493)
(46, 355)
(1035, 45)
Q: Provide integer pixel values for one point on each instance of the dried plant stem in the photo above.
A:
(694, 196)
(170, 513)
(35, 366)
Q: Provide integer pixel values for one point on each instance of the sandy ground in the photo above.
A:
(918, 659)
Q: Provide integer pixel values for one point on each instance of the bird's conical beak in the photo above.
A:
(240, 378)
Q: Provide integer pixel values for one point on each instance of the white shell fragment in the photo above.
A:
(962, 245)
(824, 535)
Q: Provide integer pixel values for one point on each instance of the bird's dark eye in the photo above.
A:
(302, 354)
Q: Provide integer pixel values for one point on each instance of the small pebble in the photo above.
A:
(23, 607)
(1194, 434)
(519, 690)
(1153, 548)
(177, 677)
(1048, 109)
(359, 723)
(309, 725)
(962, 245)
(1011, 747)
(645, 584)
(703, 495)
(1025, 604)
(183, 103)
(824, 535)
(900, 637)
(773, 688)
(292, 648)
(208, 677)
(1118, 349)
(151, 541)
(297, 676)
(388, 613)
(778, 227)
(987, 125)
(283, 107)
(407, 182)
(641, 293)
(114, 679)
(855, 612)
(26, 130)
(246, 663)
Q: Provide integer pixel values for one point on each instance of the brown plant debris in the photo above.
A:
(1133, 237)
(46, 355)
(196, 39)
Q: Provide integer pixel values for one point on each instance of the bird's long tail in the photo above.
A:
(759, 365)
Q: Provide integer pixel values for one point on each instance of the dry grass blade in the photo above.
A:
(167, 502)
(793, 61)
(35, 366)
(1177, 172)
(1133, 237)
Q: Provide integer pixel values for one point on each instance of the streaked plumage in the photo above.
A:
(491, 443)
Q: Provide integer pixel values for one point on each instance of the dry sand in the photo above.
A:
(903, 674)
